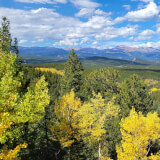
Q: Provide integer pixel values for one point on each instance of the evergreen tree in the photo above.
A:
(6, 42)
(134, 93)
(14, 47)
(5, 36)
(72, 75)
(104, 81)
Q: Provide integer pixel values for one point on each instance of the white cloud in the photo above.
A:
(98, 22)
(145, 35)
(44, 24)
(85, 3)
(85, 12)
(150, 12)
(42, 1)
(89, 12)
(67, 42)
(150, 44)
(146, 1)
(38, 24)
(22, 41)
(127, 7)
(147, 13)
(119, 20)
(158, 28)
(112, 32)
(100, 12)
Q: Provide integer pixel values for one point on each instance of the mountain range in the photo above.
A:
(119, 52)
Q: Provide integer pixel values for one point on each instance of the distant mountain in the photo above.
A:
(119, 52)
(43, 52)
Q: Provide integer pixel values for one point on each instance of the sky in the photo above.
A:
(84, 23)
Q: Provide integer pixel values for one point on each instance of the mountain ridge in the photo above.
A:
(119, 52)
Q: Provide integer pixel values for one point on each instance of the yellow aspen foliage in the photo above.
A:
(15, 108)
(53, 70)
(105, 158)
(154, 90)
(66, 128)
(4, 123)
(11, 154)
(137, 133)
(93, 116)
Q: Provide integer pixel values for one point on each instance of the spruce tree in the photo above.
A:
(5, 36)
(14, 46)
(72, 75)
(6, 42)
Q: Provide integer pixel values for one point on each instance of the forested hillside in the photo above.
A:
(71, 113)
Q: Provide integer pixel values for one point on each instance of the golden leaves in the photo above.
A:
(53, 70)
(137, 133)
(93, 115)
(66, 128)
(11, 154)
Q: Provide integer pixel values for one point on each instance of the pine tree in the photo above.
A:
(7, 44)
(72, 74)
(14, 46)
(5, 36)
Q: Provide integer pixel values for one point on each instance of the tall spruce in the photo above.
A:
(7, 44)
(14, 46)
(5, 36)
(72, 75)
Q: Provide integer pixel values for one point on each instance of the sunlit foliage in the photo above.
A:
(138, 133)
(53, 70)
(66, 128)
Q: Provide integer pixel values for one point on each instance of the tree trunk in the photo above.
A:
(69, 153)
(99, 151)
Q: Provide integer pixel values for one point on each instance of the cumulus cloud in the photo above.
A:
(40, 23)
(89, 12)
(42, 1)
(145, 35)
(150, 11)
(158, 28)
(66, 42)
(150, 44)
(22, 41)
(85, 3)
(147, 13)
(43, 24)
(46, 24)
(85, 12)
(112, 32)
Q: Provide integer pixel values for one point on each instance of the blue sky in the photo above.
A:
(84, 23)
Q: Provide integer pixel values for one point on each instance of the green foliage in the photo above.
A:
(6, 39)
(5, 36)
(104, 81)
(92, 120)
(134, 93)
(72, 74)
(38, 134)
(17, 108)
